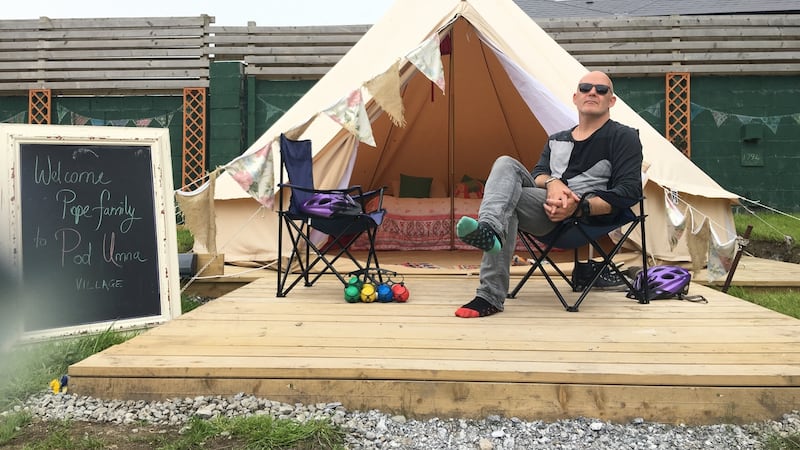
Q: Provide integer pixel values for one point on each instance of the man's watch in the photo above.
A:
(586, 207)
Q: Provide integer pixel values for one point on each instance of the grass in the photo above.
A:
(261, 432)
(783, 301)
(768, 226)
(185, 239)
(30, 367)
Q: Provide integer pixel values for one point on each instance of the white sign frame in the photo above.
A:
(13, 135)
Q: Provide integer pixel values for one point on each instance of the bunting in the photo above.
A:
(385, 90)
(351, 114)
(20, 117)
(720, 257)
(706, 248)
(198, 213)
(254, 173)
(427, 58)
(69, 117)
(720, 117)
(676, 220)
(273, 112)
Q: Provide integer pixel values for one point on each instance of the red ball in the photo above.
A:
(400, 293)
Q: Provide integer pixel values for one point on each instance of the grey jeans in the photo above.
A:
(511, 200)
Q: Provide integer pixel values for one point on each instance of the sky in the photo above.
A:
(226, 12)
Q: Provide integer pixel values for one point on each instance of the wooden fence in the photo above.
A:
(167, 54)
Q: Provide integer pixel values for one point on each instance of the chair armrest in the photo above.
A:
(365, 197)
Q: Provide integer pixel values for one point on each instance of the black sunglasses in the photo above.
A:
(601, 89)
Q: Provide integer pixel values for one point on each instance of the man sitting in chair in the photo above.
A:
(598, 156)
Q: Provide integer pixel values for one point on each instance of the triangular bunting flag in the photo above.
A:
(719, 117)
(254, 173)
(351, 114)
(427, 58)
(720, 257)
(697, 241)
(676, 220)
(385, 89)
(772, 123)
(198, 213)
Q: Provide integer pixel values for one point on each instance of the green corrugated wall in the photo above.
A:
(745, 131)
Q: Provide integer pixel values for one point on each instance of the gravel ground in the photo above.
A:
(375, 430)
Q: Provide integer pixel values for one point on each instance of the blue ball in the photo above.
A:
(384, 293)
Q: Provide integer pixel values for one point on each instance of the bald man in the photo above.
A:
(598, 157)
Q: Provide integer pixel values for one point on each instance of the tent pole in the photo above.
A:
(451, 142)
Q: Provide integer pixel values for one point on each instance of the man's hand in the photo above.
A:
(561, 201)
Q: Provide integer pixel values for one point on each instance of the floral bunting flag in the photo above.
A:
(427, 58)
(351, 114)
(20, 117)
(720, 257)
(719, 117)
(254, 173)
(676, 220)
(74, 118)
(772, 123)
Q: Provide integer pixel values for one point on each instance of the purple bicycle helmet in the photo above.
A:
(331, 204)
(662, 282)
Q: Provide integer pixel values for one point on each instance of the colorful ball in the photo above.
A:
(385, 293)
(368, 294)
(352, 294)
(400, 293)
(355, 281)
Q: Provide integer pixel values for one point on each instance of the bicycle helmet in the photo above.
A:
(331, 204)
(662, 282)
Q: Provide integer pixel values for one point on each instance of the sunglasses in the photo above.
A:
(601, 89)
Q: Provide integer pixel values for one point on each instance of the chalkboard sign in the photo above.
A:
(88, 233)
(91, 228)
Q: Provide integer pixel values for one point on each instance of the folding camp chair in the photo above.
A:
(339, 213)
(574, 233)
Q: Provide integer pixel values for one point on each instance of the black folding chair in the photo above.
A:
(573, 234)
(307, 212)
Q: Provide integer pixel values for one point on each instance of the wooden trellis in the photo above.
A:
(39, 106)
(194, 136)
(679, 111)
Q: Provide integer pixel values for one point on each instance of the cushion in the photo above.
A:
(417, 187)
(469, 188)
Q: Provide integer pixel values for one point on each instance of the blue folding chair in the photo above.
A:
(339, 213)
(575, 233)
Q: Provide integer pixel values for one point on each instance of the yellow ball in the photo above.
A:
(368, 294)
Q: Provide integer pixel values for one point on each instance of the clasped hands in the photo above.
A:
(561, 202)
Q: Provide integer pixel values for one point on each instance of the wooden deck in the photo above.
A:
(669, 361)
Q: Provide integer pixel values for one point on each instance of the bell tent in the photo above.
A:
(502, 86)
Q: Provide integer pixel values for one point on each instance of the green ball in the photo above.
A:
(352, 294)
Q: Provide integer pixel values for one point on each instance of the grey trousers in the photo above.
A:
(511, 200)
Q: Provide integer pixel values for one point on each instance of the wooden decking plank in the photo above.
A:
(476, 399)
(551, 332)
(144, 348)
(776, 349)
(441, 370)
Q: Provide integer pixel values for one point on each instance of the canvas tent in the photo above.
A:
(507, 85)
